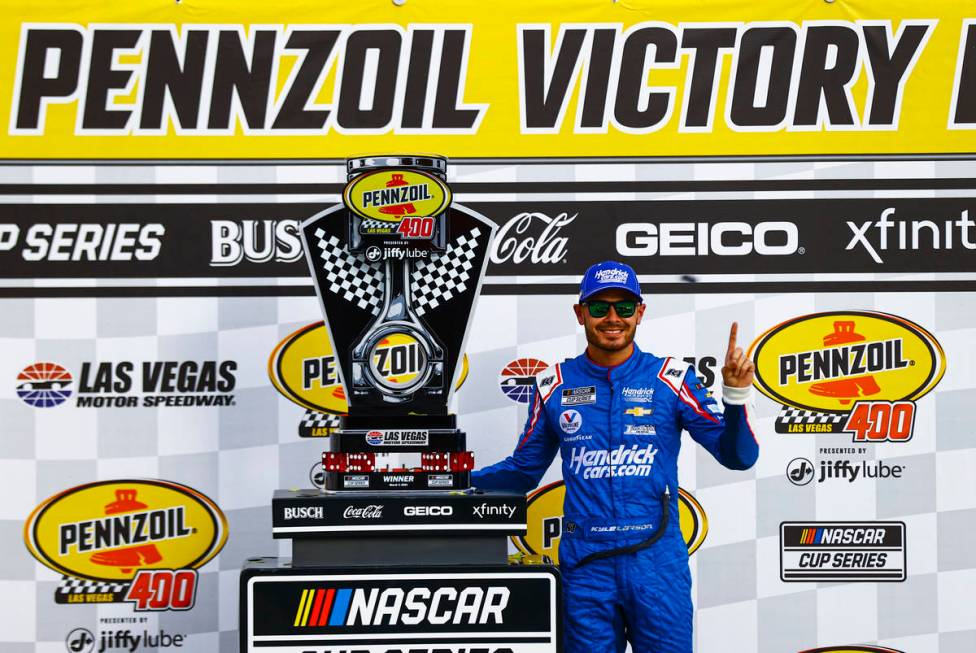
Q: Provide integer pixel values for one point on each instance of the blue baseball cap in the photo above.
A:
(609, 275)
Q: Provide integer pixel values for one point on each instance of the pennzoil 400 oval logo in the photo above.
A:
(859, 372)
(303, 367)
(544, 520)
(389, 195)
(136, 540)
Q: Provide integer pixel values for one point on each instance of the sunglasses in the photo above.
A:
(624, 308)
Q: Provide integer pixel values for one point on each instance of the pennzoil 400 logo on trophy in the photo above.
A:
(857, 372)
(397, 268)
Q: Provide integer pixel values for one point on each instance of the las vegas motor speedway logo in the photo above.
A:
(857, 372)
(518, 378)
(130, 540)
(129, 384)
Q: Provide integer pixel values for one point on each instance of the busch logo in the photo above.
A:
(613, 275)
(305, 512)
(547, 247)
(365, 512)
(622, 461)
(254, 241)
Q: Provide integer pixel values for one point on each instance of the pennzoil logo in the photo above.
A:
(390, 195)
(852, 649)
(144, 537)
(544, 520)
(303, 368)
(857, 372)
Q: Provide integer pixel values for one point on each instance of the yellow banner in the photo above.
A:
(244, 79)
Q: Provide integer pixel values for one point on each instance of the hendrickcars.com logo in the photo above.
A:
(303, 368)
(129, 384)
(544, 520)
(127, 540)
(857, 372)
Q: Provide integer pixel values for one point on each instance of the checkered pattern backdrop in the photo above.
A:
(238, 455)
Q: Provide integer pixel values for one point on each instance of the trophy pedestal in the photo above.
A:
(448, 609)
(374, 572)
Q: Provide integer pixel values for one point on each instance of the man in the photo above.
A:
(616, 415)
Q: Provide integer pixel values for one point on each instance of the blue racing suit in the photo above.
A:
(619, 432)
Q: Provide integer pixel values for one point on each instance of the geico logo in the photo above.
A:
(838, 362)
(304, 512)
(622, 461)
(703, 238)
(428, 511)
(394, 606)
(118, 530)
(255, 241)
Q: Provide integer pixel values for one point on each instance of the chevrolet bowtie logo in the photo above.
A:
(638, 411)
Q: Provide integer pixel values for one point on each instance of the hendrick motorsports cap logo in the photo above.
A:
(545, 521)
(613, 275)
(126, 535)
(44, 385)
(518, 378)
(857, 372)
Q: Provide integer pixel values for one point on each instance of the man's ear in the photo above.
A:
(640, 312)
(578, 309)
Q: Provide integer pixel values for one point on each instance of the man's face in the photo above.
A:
(610, 332)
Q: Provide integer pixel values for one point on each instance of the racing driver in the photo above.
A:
(616, 415)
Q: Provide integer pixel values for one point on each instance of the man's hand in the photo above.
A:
(738, 370)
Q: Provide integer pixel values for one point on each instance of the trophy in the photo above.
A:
(397, 269)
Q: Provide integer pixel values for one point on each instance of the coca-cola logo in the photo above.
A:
(363, 512)
(531, 236)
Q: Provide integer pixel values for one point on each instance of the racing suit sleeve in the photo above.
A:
(727, 435)
(533, 454)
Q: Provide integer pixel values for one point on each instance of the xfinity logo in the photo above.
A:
(364, 512)
(428, 511)
(531, 237)
(485, 510)
(703, 239)
(906, 234)
(305, 512)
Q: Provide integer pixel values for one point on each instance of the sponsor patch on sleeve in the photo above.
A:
(548, 381)
(579, 396)
(673, 373)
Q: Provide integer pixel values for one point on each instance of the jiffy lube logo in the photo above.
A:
(544, 521)
(858, 372)
(390, 195)
(129, 531)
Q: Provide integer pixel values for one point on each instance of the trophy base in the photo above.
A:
(316, 514)
(378, 609)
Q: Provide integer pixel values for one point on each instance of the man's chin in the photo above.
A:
(611, 344)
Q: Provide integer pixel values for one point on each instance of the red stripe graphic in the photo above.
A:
(315, 608)
(686, 396)
(324, 617)
(536, 409)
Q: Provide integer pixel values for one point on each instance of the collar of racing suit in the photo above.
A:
(612, 373)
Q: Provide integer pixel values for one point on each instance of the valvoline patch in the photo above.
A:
(570, 421)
